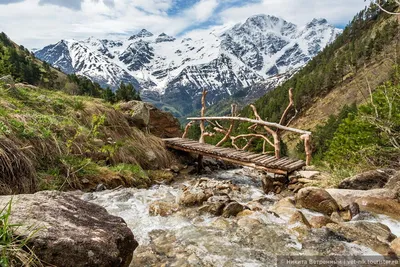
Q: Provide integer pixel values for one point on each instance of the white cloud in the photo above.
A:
(202, 10)
(34, 25)
(298, 11)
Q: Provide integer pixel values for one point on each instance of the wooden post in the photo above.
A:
(277, 145)
(202, 130)
(307, 148)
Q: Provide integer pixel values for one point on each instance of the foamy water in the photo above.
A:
(215, 241)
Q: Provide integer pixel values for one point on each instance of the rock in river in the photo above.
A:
(316, 199)
(162, 208)
(365, 181)
(71, 232)
(390, 207)
(372, 235)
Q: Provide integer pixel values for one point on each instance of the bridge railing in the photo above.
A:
(271, 135)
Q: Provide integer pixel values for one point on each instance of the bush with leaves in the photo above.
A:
(371, 137)
(323, 134)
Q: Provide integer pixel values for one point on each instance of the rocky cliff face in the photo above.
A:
(171, 72)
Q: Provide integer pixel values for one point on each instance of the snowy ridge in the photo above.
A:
(173, 71)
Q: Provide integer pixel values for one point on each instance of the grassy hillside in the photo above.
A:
(61, 131)
(52, 140)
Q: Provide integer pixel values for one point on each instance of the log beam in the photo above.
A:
(262, 123)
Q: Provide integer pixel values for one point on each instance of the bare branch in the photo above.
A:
(187, 129)
(219, 125)
(229, 132)
(378, 3)
(292, 119)
(248, 143)
(212, 123)
(288, 107)
(269, 130)
(234, 138)
(219, 130)
(209, 134)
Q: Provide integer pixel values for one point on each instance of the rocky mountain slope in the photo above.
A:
(172, 72)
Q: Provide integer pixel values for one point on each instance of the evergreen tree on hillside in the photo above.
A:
(126, 92)
(16, 62)
(109, 95)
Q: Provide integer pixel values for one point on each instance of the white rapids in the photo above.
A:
(188, 238)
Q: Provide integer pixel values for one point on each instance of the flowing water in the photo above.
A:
(189, 238)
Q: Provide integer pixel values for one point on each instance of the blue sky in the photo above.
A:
(35, 23)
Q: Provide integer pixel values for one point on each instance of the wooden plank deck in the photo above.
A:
(267, 163)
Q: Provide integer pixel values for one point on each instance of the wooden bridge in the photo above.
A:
(262, 162)
(239, 154)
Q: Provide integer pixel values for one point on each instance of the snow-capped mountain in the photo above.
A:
(171, 72)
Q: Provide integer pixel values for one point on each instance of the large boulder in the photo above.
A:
(163, 124)
(366, 181)
(345, 197)
(193, 196)
(138, 113)
(372, 235)
(316, 199)
(381, 231)
(299, 218)
(389, 207)
(70, 231)
(144, 115)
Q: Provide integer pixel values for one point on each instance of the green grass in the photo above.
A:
(137, 176)
(70, 139)
(14, 250)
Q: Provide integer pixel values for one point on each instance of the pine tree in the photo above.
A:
(109, 96)
(126, 92)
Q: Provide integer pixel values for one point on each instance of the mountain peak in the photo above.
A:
(319, 21)
(163, 37)
(265, 23)
(144, 33)
(141, 34)
(262, 19)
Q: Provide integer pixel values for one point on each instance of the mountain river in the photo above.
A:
(190, 238)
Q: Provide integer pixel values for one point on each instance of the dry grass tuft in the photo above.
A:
(144, 149)
(17, 173)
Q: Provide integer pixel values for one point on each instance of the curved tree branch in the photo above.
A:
(229, 132)
(187, 129)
